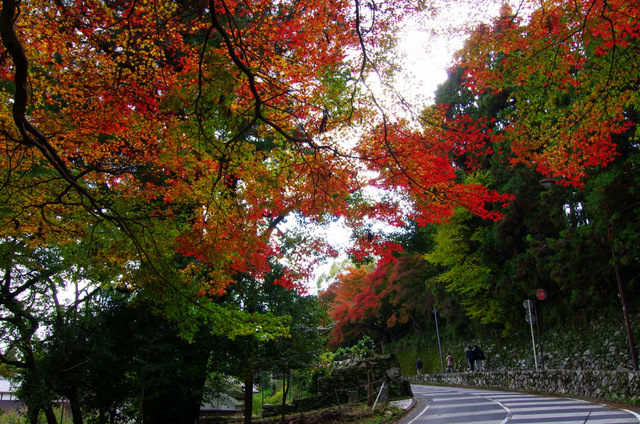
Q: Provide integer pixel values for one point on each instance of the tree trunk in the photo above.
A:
(102, 416)
(32, 415)
(248, 380)
(285, 392)
(74, 403)
(248, 397)
(50, 414)
(141, 417)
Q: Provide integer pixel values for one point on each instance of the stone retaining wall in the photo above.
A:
(350, 378)
(593, 384)
(353, 375)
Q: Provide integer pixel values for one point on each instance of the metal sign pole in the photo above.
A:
(528, 305)
(435, 311)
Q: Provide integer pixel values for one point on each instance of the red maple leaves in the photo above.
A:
(196, 128)
(373, 300)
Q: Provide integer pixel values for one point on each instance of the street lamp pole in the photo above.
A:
(435, 312)
(528, 306)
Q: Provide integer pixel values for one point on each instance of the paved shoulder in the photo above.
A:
(452, 405)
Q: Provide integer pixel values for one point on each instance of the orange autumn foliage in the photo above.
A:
(198, 128)
(570, 70)
(375, 300)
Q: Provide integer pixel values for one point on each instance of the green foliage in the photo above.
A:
(16, 416)
(275, 398)
(381, 415)
(556, 238)
(364, 348)
(467, 273)
(273, 393)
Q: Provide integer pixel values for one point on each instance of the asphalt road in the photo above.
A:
(451, 405)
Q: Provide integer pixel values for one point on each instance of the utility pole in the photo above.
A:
(530, 318)
(435, 311)
(627, 323)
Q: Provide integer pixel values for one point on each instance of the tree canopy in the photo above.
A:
(155, 130)
(571, 74)
(545, 90)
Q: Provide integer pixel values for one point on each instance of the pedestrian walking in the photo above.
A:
(478, 357)
(449, 362)
(419, 366)
(470, 358)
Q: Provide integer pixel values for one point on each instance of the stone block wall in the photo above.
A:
(601, 344)
(592, 362)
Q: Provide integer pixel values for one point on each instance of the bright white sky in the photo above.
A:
(431, 41)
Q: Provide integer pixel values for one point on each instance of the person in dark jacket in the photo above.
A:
(470, 358)
(419, 366)
(478, 357)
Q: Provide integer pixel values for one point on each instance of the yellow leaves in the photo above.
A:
(465, 272)
(206, 279)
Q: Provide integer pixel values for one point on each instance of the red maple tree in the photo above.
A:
(570, 71)
(199, 127)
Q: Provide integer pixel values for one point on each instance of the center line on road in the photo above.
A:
(506, 409)
(633, 413)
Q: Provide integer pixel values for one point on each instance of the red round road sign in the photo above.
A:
(541, 294)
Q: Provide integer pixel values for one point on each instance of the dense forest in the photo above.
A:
(168, 168)
(569, 229)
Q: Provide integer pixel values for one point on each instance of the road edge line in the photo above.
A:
(421, 412)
